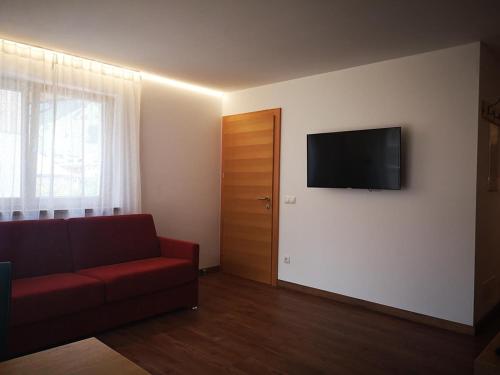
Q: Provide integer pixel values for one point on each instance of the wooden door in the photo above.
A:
(250, 195)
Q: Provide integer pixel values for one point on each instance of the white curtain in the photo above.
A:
(69, 135)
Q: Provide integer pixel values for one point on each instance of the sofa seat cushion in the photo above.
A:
(42, 297)
(140, 277)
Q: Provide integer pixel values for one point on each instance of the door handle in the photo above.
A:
(267, 199)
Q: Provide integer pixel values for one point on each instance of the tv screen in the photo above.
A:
(360, 159)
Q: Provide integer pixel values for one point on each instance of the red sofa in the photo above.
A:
(73, 278)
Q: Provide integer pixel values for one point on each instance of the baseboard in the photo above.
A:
(393, 311)
(208, 270)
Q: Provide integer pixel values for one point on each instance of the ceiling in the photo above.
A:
(234, 44)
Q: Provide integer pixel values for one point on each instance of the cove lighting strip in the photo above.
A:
(182, 85)
(44, 52)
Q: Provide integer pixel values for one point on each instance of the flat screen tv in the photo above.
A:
(360, 159)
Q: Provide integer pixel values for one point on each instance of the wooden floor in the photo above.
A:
(242, 327)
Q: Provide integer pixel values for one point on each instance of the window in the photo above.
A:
(62, 137)
(69, 147)
(69, 135)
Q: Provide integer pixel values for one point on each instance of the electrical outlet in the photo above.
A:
(286, 259)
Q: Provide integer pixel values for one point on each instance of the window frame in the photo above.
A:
(31, 92)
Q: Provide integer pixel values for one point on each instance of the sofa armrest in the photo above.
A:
(171, 248)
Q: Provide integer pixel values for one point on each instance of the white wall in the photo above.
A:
(412, 249)
(180, 146)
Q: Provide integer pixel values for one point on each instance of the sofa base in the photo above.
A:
(28, 338)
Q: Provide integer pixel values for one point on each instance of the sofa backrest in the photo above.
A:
(99, 241)
(35, 247)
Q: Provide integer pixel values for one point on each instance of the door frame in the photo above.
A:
(276, 112)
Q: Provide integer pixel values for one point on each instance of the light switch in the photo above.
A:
(290, 199)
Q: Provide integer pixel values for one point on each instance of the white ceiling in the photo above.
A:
(234, 44)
